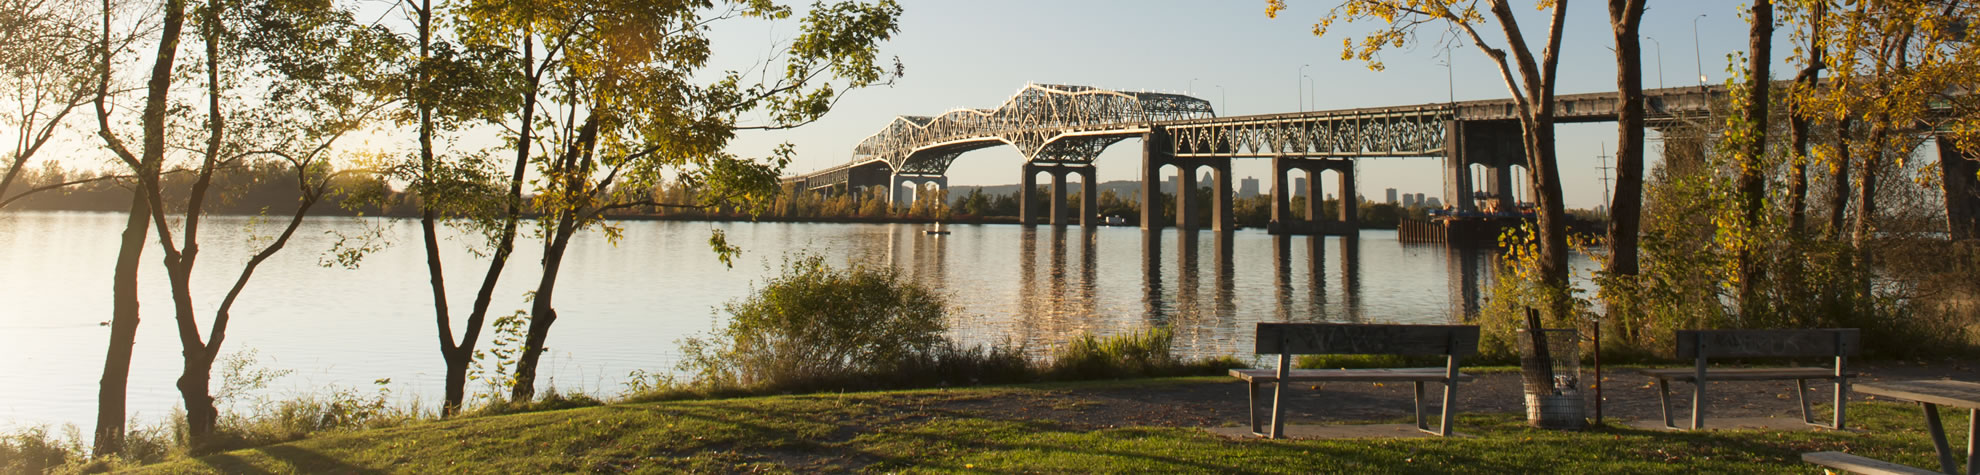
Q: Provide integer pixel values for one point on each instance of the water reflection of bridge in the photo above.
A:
(1068, 282)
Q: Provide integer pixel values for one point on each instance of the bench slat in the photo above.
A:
(1744, 374)
(1366, 339)
(1376, 374)
(1768, 343)
(1860, 464)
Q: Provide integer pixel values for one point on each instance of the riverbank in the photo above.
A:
(1150, 425)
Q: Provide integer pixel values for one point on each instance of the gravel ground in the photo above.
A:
(1222, 403)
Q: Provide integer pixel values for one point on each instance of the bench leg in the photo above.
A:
(1801, 396)
(1251, 405)
(1973, 442)
(1842, 401)
(1939, 438)
(1697, 403)
(1420, 424)
(1278, 409)
(1450, 397)
(1664, 401)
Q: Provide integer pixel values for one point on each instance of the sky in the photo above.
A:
(961, 54)
(976, 54)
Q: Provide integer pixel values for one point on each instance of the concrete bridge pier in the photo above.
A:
(1154, 155)
(900, 197)
(1089, 190)
(1348, 219)
(1498, 145)
(1056, 202)
(1026, 187)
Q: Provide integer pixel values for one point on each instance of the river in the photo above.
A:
(623, 307)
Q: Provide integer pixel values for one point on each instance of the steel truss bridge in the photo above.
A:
(1061, 129)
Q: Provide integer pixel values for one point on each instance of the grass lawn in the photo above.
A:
(938, 431)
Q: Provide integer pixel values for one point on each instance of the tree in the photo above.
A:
(1531, 81)
(109, 434)
(285, 79)
(1812, 24)
(1898, 68)
(621, 110)
(451, 86)
(46, 71)
(1625, 18)
(1749, 134)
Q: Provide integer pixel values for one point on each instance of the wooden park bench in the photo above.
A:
(1702, 345)
(1288, 339)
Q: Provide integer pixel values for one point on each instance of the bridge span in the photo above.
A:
(1061, 129)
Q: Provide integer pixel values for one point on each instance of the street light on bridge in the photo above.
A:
(1660, 60)
(1695, 56)
(1300, 83)
(1221, 102)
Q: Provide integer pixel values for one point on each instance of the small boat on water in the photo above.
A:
(938, 231)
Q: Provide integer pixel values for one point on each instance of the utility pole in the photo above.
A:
(1605, 168)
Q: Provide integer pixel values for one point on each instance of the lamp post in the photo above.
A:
(1299, 82)
(1660, 60)
(1695, 56)
(1315, 96)
(1221, 102)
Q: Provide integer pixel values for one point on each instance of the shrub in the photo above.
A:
(1146, 353)
(816, 324)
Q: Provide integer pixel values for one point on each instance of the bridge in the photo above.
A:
(1061, 129)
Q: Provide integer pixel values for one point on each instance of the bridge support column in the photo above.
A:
(1089, 197)
(1222, 205)
(1025, 188)
(1058, 199)
(1185, 207)
(1350, 202)
(1496, 144)
(1155, 148)
(897, 196)
(1282, 208)
(1344, 222)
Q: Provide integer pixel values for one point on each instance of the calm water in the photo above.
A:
(623, 307)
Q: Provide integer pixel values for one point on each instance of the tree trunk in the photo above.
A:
(1625, 211)
(1799, 124)
(542, 313)
(194, 389)
(1839, 182)
(1752, 176)
(146, 165)
(1957, 180)
(110, 395)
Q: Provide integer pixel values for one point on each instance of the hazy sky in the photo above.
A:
(962, 54)
(976, 54)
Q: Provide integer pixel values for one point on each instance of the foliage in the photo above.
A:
(47, 71)
(816, 322)
(1518, 288)
(1139, 354)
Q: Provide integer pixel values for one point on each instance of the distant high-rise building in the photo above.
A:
(1392, 195)
(1408, 200)
(1298, 186)
(1247, 188)
(1169, 185)
(1433, 203)
(1419, 197)
(1208, 180)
